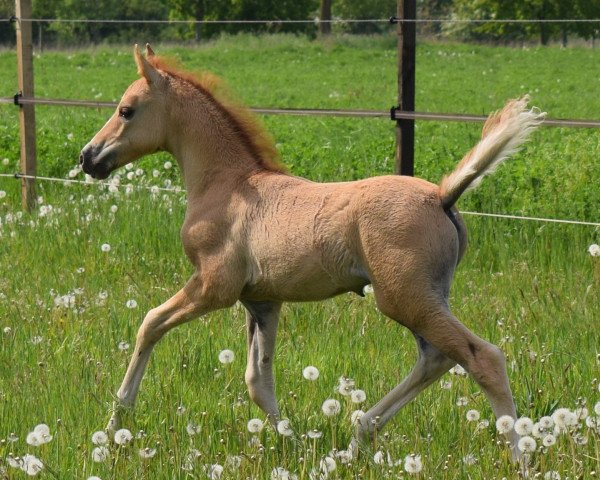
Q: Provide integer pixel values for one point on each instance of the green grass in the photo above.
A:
(530, 287)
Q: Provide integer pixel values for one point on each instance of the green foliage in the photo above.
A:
(531, 288)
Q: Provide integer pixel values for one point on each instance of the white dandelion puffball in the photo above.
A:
(355, 416)
(563, 417)
(546, 422)
(131, 303)
(505, 424)
(345, 386)
(94, 477)
(344, 456)
(33, 439)
(123, 346)
(473, 415)
(314, 434)
(379, 458)
(524, 426)
(168, 165)
(100, 454)
(328, 464)
(99, 438)
(226, 356)
(147, 452)
(597, 408)
(412, 464)
(549, 440)
(594, 250)
(31, 465)
(105, 247)
(255, 425)
(280, 473)
(331, 407)
(358, 396)
(283, 427)
(552, 475)
(215, 471)
(123, 436)
(192, 429)
(527, 444)
(310, 373)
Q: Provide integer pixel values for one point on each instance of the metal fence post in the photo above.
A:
(405, 128)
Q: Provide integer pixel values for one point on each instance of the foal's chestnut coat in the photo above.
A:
(258, 235)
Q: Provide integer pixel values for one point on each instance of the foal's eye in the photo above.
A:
(126, 112)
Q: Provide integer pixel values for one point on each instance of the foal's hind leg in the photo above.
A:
(429, 367)
(262, 319)
(485, 362)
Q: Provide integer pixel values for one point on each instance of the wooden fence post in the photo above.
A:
(26, 112)
(405, 128)
(325, 14)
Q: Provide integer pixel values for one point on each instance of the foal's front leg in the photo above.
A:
(261, 321)
(185, 305)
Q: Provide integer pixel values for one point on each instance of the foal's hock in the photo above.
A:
(258, 235)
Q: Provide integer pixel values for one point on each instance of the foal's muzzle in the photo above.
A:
(96, 161)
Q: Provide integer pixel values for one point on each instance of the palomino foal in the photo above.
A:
(260, 236)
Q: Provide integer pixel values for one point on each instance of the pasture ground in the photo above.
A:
(69, 310)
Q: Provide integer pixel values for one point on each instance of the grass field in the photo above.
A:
(69, 310)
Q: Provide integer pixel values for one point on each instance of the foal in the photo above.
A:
(260, 236)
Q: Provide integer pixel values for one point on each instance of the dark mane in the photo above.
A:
(251, 131)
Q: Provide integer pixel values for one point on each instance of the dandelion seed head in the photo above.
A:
(105, 247)
(597, 408)
(168, 165)
(523, 426)
(345, 386)
(33, 439)
(505, 424)
(328, 464)
(123, 436)
(310, 373)
(314, 434)
(445, 384)
(99, 438)
(123, 346)
(552, 475)
(548, 440)
(412, 464)
(94, 477)
(284, 428)
(192, 429)
(527, 444)
(458, 370)
(131, 303)
(147, 452)
(594, 250)
(355, 416)
(226, 356)
(255, 425)
(461, 401)
(31, 465)
(358, 396)
(379, 458)
(563, 418)
(331, 407)
(546, 422)
(469, 459)
(100, 454)
(473, 415)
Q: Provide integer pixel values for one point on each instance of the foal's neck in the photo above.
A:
(205, 143)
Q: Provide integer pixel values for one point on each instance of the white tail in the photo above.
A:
(503, 133)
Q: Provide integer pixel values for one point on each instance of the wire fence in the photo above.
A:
(333, 21)
(156, 189)
(393, 114)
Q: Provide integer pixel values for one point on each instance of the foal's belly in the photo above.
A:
(302, 281)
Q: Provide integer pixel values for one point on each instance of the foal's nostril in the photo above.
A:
(81, 159)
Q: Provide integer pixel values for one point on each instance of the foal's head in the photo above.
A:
(138, 126)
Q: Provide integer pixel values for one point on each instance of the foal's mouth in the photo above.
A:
(97, 161)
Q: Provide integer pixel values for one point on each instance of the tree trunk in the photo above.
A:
(199, 16)
(325, 26)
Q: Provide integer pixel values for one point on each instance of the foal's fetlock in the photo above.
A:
(116, 419)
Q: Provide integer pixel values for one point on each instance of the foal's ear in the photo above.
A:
(144, 68)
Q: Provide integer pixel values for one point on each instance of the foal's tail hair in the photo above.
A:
(503, 133)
